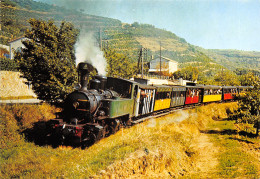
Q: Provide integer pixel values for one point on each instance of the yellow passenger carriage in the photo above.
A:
(162, 98)
(212, 93)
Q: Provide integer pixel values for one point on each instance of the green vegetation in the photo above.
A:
(248, 79)
(226, 78)
(8, 65)
(118, 65)
(188, 73)
(249, 107)
(233, 59)
(15, 15)
(162, 147)
(234, 159)
(48, 59)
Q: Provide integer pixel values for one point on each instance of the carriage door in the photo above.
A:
(136, 100)
(201, 93)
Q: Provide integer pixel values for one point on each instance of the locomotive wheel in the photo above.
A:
(105, 131)
(115, 126)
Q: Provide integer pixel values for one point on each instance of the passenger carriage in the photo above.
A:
(243, 89)
(144, 96)
(162, 98)
(193, 95)
(177, 96)
(229, 92)
(212, 93)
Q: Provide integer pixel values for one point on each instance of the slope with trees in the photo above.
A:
(233, 59)
(248, 111)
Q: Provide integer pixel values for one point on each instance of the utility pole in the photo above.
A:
(222, 80)
(100, 38)
(139, 60)
(160, 59)
(142, 64)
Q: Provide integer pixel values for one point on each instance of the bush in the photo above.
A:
(9, 135)
(18, 118)
(7, 64)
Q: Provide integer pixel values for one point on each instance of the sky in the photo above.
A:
(211, 24)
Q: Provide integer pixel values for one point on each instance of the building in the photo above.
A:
(4, 51)
(15, 45)
(168, 66)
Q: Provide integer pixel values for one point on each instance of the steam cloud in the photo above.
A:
(181, 115)
(87, 51)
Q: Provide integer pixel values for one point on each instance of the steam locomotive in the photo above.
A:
(111, 103)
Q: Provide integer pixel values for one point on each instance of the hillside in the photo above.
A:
(232, 59)
(124, 38)
(15, 13)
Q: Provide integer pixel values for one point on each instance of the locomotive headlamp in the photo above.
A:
(74, 121)
(77, 86)
(76, 104)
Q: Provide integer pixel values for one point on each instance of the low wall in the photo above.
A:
(13, 87)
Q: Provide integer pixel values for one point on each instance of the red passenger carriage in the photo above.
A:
(229, 92)
(193, 95)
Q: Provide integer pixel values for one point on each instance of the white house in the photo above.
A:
(167, 65)
(15, 45)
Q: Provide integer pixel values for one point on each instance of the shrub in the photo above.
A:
(9, 135)
(7, 64)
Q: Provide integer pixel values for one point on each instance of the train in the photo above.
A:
(101, 106)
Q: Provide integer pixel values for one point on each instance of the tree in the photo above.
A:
(48, 59)
(248, 79)
(249, 107)
(118, 65)
(187, 73)
(226, 78)
(164, 69)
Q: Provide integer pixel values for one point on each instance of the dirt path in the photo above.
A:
(206, 160)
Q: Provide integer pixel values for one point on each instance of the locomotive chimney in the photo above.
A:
(84, 69)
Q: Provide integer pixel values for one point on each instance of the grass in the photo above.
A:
(233, 160)
(162, 147)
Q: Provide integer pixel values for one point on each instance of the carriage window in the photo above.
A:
(188, 93)
(174, 94)
(122, 87)
(163, 95)
(157, 95)
(233, 90)
(212, 91)
(135, 91)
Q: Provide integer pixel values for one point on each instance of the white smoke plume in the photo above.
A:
(88, 51)
(177, 117)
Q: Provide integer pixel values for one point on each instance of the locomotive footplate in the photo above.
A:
(62, 133)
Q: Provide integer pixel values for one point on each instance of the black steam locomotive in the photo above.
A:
(89, 114)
